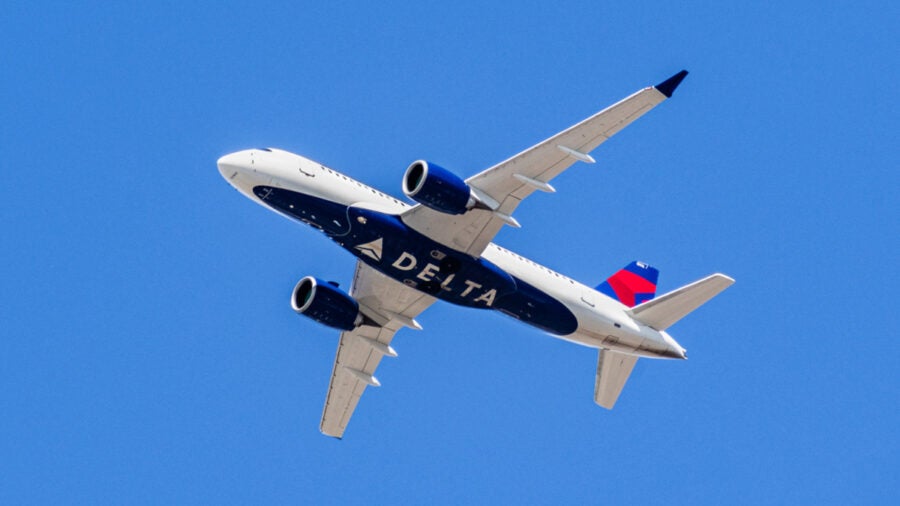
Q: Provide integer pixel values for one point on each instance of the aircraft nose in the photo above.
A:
(232, 164)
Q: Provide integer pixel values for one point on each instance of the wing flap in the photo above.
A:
(613, 369)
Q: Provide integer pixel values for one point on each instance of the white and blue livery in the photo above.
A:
(408, 256)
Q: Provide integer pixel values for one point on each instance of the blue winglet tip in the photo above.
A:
(668, 86)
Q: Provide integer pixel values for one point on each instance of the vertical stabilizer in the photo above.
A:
(633, 285)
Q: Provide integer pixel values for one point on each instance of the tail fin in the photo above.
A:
(673, 306)
(634, 284)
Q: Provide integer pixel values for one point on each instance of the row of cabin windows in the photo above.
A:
(357, 183)
(539, 266)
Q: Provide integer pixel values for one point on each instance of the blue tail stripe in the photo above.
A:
(607, 290)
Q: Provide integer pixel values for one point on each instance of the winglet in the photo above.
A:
(668, 86)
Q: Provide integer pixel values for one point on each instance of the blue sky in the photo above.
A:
(149, 353)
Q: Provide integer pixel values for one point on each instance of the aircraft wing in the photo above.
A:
(503, 186)
(389, 305)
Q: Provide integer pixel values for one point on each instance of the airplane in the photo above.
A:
(411, 255)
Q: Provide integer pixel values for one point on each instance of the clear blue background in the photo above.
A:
(149, 354)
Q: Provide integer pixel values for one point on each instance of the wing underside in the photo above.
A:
(390, 305)
(506, 184)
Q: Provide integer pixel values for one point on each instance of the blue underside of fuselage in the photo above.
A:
(385, 243)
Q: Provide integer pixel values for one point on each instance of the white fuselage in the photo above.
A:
(601, 321)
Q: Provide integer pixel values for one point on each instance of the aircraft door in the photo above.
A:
(589, 297)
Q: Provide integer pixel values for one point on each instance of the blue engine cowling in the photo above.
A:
(326, 304)
(437, 188)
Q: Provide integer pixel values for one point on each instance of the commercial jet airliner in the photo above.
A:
(409, 256)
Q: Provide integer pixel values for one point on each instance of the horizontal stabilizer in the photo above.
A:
(613, 369)
(662, 312)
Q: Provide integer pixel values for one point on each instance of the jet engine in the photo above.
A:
(326, 304)
(437, 188)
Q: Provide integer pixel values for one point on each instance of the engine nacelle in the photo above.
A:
(326, 304)
(437, 188)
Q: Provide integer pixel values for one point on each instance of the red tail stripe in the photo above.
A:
(626, 284)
